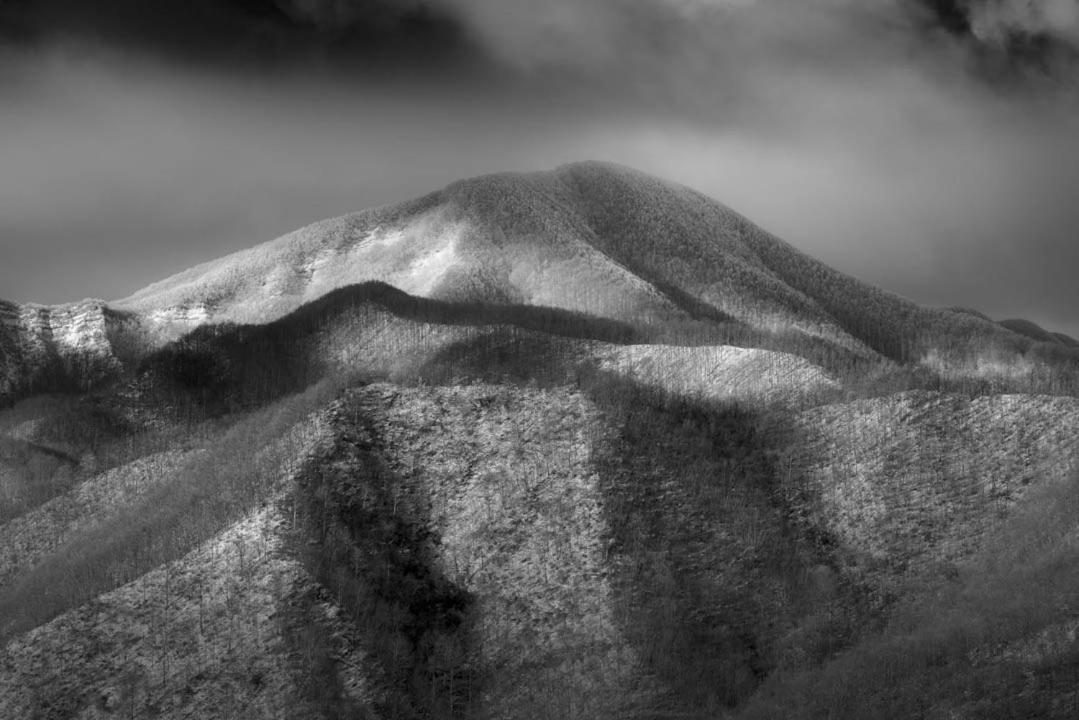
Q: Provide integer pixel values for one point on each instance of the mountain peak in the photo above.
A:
(592, 238)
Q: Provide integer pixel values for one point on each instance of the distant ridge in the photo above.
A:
(1036, 332)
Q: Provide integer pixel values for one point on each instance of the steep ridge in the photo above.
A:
(380, 331)
(206, 643)
(371, 328)
(53, 348)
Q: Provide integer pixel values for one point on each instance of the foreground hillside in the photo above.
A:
(490, 550)
(579, 444)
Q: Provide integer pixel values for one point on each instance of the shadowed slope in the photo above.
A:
(1037, 332)
(370, 327)
(675, 236)
(378, 331)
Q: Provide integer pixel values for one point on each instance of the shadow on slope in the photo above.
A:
(720, 585)
(58, 441)
(711, 584)
(982, 644)
(239, 468)
(715, 587)
(713, 581)
(31, 475)
(732, 602)
(365, 533)
(58, 349)
(228, 367)
(1036, 332)
(676, 237)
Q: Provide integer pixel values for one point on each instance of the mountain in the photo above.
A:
(572, 444)
(591, 238)
(595, 239)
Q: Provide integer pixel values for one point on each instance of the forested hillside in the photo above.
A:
(577, 444)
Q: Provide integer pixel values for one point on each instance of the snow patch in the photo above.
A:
(426, 271)
(191, 315)
(719, 372)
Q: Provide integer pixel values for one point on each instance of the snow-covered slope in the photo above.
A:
(65, 346)
(589, 237)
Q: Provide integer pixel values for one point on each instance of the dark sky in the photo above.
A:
(928, 146)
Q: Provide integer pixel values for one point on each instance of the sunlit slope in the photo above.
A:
(628, 544)
(478, 548)
(917, 478)
(441, 246)
(593, 238)
(590, 238)
(26, 539)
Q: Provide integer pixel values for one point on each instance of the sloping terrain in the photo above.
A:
(598, 239)
(27, 538)
(918, 477)
(993, 637)
(483, 547)
(577, 444)
(45, 349)
(608, 550)
(593, 240)
(194, 638)
(390, 334)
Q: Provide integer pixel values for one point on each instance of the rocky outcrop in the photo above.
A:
(50, 348)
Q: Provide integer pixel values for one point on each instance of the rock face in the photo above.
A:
(46, 348)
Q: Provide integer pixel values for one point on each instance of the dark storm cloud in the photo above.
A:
(879, 135)
(582, 34)
(1001, 22)
(1013, 37)
(245, 32)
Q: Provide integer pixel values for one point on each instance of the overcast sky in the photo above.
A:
(927, 146)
